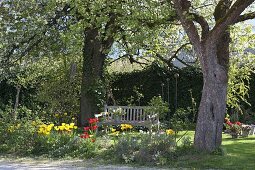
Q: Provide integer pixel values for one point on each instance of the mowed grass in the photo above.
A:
(236, 154)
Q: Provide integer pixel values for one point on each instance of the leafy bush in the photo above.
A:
(144, 148)
(26, 136)
(17, 136)
(64, 145)
(158, 106)
(180, 120)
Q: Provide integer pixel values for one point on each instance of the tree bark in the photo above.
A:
(212, 107)
(93, 63)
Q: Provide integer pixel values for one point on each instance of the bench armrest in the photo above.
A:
(102, 114)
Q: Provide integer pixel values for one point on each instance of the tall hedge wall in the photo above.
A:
(149, 83)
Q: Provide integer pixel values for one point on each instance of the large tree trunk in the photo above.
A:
(93, 63)
(211, 114)
(212, 47)
(212, 107)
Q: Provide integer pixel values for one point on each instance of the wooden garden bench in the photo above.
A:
(134, 115)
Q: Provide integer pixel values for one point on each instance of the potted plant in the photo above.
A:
(117, 113)
(234, 129)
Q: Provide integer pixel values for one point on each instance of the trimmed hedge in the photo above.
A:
(149, 83)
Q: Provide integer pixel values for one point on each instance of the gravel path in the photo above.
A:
(31, 164)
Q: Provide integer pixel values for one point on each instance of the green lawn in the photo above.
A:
(238, 154)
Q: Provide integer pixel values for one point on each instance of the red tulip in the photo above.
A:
(93, 120)
(94, 127)
(229, 123)
(238, 123)
(86, 128)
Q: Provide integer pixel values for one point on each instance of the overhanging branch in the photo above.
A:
(245, 17)
(230, 18)
(177, 51)
(182, 9)
(203, 23)
(174, 56)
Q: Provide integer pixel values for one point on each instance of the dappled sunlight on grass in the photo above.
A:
(236, 154)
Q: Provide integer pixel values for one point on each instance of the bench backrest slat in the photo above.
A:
(135, 115)
(129, 113)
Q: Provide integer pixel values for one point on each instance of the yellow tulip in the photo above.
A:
(56, 128)
(170, 132)
(61, 127)
(66, 127)
(48, 128)
(40, 131)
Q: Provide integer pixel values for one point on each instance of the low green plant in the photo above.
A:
(156, 149)
(27, 136)
(144, 148)
(180, 122)
(76, 147)
(44, 144)
(158, 106)
(182, 115)
(17, 136)
(126, 146)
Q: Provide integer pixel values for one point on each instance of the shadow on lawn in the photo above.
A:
(241, 154)
(239, 139)
(237, 154)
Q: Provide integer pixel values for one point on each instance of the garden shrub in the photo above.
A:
(29, 135)
(155, 149)
(45, 144)
(74, 147)
(126, 146)
(144, 148)
(17, 136)
(158, 106)
(180, 120)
